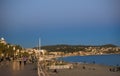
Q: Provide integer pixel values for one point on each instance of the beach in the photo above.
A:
(86, 70)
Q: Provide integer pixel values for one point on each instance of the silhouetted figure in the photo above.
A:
(0, 61)
(113, 69)
(83, 67)
(93, 68)
(118, 68)
(25, 60)
(20, 61)
(110, 69)
(55, 70)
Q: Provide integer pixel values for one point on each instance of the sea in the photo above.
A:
(110, 60)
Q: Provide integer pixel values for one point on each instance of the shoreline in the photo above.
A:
(89, 55)
(81, 69)
(92, 61)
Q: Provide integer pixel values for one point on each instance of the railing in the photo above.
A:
(41, 70)
(68, 66)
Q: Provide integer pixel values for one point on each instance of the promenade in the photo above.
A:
(15, 69)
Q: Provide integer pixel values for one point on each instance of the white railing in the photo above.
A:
(60, 66)
(41, 71)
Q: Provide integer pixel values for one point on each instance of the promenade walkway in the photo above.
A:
(15, 69)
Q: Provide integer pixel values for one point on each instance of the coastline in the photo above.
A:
(104, 59)
(89, 55)
(85, 69)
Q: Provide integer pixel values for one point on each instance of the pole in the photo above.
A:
(39, 44)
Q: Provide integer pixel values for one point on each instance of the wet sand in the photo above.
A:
(86, 70)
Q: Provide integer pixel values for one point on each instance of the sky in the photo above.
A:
(73, 22)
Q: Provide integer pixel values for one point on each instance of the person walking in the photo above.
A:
(20, 60)
(25, 60)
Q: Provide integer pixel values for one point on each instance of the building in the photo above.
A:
(2, 40)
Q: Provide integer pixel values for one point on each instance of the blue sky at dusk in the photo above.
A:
(74, 22)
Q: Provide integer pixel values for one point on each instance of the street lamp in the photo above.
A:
(13, 52)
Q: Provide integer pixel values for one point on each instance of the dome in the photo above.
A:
(2, 39)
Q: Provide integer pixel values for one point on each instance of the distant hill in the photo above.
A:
(109, 45)
(71, 48)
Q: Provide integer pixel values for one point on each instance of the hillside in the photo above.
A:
(73, 48)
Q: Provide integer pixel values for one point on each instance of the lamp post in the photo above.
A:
(13, 52)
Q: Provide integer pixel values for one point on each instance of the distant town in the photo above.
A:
(7, 49)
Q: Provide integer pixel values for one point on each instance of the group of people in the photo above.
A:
(115, 69)
(5, 59)
(22, 59)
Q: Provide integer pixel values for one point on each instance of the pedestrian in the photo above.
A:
(55, 70)
(0, 61)
(83, 67)
(20, 60)
(25, 60)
